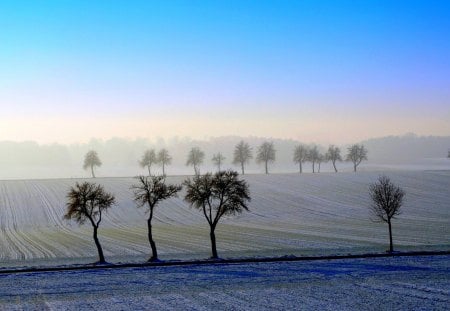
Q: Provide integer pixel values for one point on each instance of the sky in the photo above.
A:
(315, 71)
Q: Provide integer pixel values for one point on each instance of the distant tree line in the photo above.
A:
(243, 153)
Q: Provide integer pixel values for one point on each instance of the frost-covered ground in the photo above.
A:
(306, 214)
(401, 283)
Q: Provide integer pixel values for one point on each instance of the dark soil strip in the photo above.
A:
(218, 261)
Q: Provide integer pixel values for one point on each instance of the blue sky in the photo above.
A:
(324, 71)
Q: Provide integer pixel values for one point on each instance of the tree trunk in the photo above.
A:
(152, 243)
(313, 167)
(242, 167)
(92, 171)
(391, 245)
(267, 171)
(334, 165)
(149, 174)
(354, 167)
(318, 171)
(300, 167)
(164, 173)
(213, 243)
(101, 258)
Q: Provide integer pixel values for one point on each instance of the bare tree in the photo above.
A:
(300, 156)
(91, 159)
(333, 154)
(87, 201)
(164, 159)
(217, 195)
(266, 154)
(387, 199)
(320, 159)
(313, 156)
(195, 158)
(242, 154)
(151, 191)
(356, 154)
(218, 159)
(148, 159)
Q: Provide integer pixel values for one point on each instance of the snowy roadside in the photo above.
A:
(408, 283)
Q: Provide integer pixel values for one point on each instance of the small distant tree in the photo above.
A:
(218, 159)
(333, 154)
(313, 156)
(148, 159)
(300, 156)
(266, 154)
(151, 191)
(242, 154)
(320, 159)
(356, 153)
(195, 158)
(217, 195)
(91, 159)
(164, 159)
(387, 198)
(87, 201)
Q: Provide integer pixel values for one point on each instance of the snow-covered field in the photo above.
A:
(401, 283)
(296, 214)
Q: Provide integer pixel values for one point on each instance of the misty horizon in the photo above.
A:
(120, 156)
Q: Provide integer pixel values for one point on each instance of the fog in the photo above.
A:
(23, 160)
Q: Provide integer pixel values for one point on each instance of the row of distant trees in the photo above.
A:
(243, 153)
(215, 195)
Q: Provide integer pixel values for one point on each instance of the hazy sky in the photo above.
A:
(322, 71)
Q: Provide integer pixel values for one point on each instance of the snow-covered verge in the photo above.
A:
(400, 283)
(308, 214)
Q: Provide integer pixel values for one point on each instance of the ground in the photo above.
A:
(290, 214)
(400, 283)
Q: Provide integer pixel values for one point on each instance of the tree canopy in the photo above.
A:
(387, 198)
(87, 202)
(195, 158)
(356, 154)
(148, 159)
(91, 159)
(242, 155)
(164, 159)
(150, 191)
(265, 154)
(217, 195)
(300, 156)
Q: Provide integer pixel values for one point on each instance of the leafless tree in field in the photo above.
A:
(242, 154)
(195, 158)
(164, 159)
(91, 159)
(356, 153)
(320, 159)
(217, 195)
(148, 159)
(300, 156)
(218, 159)
(87, 201)
(313, 156)
(150, 191)
(333, 154)
(387, 198)
(266, 155)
